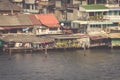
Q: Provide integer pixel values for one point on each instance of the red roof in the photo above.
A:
(34, 20)
(48, 20)
(97, 37)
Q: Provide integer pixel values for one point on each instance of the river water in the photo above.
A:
(96, 64)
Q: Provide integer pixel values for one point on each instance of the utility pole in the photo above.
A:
(66, 10)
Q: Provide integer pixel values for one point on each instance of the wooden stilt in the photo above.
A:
(46, 52)
(25, 50)
(10, 51)
(31, 50)
(84, 50)
(4, 50)
(111, 47)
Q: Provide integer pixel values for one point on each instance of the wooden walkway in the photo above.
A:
(30, 50)
(25, 50)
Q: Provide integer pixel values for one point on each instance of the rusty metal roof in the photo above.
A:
(34, 20)
(25, 38)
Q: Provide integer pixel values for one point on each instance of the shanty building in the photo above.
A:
(23, 42)
(15, 24)
(49, 24)
(8, 8)
(36, 23)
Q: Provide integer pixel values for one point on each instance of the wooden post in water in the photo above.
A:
(46, 50)
(84, 49)
(25, 50)
(111, 47)
(31, 50)
(10, 51)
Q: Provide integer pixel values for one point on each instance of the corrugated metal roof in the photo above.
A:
(19, 20)
(25, 38)
(48, 20)
(24, 19)
(97, 37)
(114, 35)
(8, 21)
(63, 37)
(34, 20)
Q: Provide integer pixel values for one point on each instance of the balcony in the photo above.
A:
(112, 18)
(112, 5)
(29, 1)
(17, 0)
(43, 3)
(30, 11)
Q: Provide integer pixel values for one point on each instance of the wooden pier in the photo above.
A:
(30, 50)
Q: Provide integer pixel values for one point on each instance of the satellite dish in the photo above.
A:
(62, 24)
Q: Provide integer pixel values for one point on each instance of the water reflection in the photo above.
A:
(62, 65)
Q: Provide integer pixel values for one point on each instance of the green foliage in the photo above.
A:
(67, 43)
(115, 42)
(94, 6)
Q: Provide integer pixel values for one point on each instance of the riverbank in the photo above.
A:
(31, 43)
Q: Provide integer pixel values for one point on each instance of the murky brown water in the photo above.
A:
(100, 64)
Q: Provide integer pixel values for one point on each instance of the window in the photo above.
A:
(68, 1)
(52, 29)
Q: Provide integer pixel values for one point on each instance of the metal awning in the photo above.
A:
(14, 27)
(114, 35)
(92, 22)
(114, 9)
(99, 10)
(80, 22)
(64, 37)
